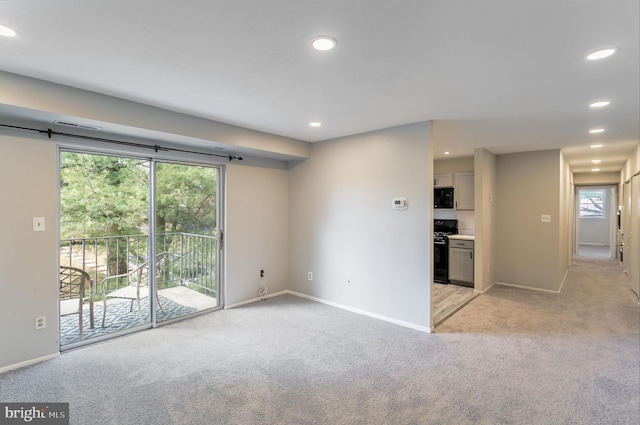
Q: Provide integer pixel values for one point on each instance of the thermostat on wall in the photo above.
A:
(400, 203)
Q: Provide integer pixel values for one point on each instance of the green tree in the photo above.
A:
(186, 198)
(102, 195)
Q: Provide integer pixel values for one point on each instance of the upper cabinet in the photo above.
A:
(464, 190)
(443, 180)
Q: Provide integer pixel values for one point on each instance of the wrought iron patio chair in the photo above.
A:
(74, 283)
(136, 287)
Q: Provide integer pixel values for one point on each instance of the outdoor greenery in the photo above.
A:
(186, 198)
(109, 196)
(102, 195)
(106, 197)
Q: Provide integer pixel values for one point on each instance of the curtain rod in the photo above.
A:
(49, 132)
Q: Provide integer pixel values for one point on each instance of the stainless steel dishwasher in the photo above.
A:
(461, 262)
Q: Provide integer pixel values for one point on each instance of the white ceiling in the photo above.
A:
(506, 75)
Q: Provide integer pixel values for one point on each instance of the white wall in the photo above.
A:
(342, 225)
(630, 177)
(528, 252)
(632, 237)
(257, 231)
(485, 217)
(52, 101)
(28, 259)
(632, 166)
(453, 165)
(565, 214)
(596, 178)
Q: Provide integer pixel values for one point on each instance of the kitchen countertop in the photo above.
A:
(463, 237)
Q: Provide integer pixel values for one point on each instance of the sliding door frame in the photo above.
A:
(98, 148)
(220, 219)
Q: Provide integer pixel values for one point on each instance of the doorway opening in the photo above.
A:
(596, 222)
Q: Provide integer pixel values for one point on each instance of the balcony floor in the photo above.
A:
(189, 298)
(176, 302)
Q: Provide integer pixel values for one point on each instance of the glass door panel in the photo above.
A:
(103, 252)
(186, 224)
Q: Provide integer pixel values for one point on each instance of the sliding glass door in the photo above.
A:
(112, 278)
(186, 223)
(104, 204)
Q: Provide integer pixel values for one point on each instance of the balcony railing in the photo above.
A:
(190, 260)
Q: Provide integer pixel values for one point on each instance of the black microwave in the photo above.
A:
(443, 197)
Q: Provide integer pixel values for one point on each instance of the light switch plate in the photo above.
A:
(38, 224)
(545, 218)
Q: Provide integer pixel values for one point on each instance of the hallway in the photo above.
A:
(596, 297)
(585, 339)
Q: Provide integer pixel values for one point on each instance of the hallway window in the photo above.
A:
(592, 203)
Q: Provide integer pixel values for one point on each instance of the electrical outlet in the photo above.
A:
(41, 322)
(545, 218)
(310, 276)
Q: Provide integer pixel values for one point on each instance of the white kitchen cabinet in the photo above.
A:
(464, 191)
(443, 180)
(461, 262)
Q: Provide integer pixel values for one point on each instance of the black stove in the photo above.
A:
(441, 230)
(441, 237)
(444, 228)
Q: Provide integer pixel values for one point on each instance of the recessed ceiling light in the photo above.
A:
(596, 161)
(447, 153)
(601, 54)
(595, 169)
(600, 104)
(6, 31)
(323, 43)
(596, 145)
(596, 130)
(315, 124)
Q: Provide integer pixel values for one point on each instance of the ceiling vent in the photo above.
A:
(76, 125)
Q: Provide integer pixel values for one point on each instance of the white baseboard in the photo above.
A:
(340, 306)
(564, 278)
(363, 312)
(477, 291)
(253, 300)
(28, 362)
(530, 288)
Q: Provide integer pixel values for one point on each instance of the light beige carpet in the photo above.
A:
(596, 299)
(508, 357)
